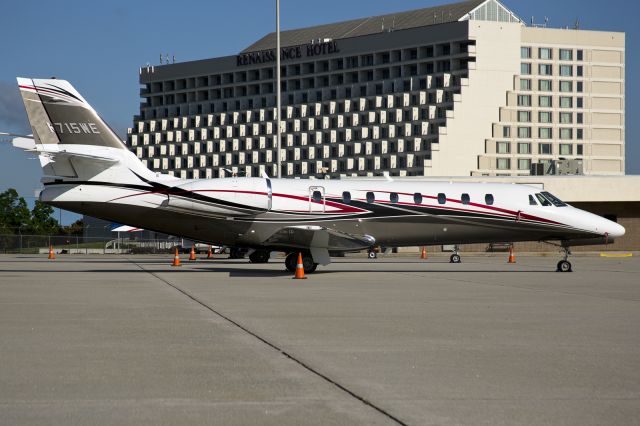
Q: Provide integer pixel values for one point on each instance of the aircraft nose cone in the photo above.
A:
(614, 230)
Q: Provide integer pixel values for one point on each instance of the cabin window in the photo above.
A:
(532, 200)
(442, 198)
(371, 198)
(393, 197)
(417, 198)
(317, 196)
(465, 199)
(488, 199)
(346, 197)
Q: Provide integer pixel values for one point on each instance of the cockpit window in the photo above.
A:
(532, 200)
(543, 201)
(554, 200)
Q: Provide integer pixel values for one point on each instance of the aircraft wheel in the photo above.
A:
(290, 262)
(308, 264)
(372, 255)
(564, 266)
(455, 258)
(259, 256)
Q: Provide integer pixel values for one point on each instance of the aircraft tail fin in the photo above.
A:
(58, 114)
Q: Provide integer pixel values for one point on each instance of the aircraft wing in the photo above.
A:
(319, 240)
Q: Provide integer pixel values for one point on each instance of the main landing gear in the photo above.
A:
(308, 264)
(259, 256)
(564, 265)
(455, 257)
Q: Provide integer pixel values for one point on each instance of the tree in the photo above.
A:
(76, 228)
(14, 213)
(41, 220)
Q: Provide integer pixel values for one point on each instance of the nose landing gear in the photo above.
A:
(564, 265)
(455, 257)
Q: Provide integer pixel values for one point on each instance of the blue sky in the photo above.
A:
(99, 46)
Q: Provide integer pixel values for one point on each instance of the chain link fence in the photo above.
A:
(72, 244)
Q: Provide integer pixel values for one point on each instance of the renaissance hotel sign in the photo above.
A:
(288, 53)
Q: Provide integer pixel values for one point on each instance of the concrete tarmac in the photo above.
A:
(131, 340)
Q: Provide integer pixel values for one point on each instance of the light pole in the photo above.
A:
(278, 100)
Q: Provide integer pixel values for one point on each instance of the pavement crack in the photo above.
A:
(274, 346)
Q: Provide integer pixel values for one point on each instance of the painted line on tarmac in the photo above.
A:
(275, 347)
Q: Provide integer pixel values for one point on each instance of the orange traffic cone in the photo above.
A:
(512, 257)
(299, 269)
(176, 259)
(423, 254)
(192, 255)
(52, 254)
(209, 253)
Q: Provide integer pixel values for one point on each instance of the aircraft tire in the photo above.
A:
(455, 258)
(259, 256)
(308, 264)
(290, 261)
(564, 266)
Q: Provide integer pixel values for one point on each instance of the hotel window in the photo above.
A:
(544, 116)
(544, 149)
(544, 53)
(545, 69)
(545, 85)
(503, 164)
(525, 84)
(579, 55)
(565, 134)
(579, 86)
(566, 54)
(506, 132)
(525, 68)
(524, 116)
(566, 70)
(524, 148)
(524, 132)
(566, 149)
(566, 102)
(525, 52)
(579, 118)
(503, 147)
(579, 134)
(566, 86)
(566, 117)
(579, 149)
(524, 100)
(579, 71)
(524, 164)
(579, 102)
(544, 133)
(544, 101)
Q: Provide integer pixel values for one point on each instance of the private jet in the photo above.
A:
(89, 170)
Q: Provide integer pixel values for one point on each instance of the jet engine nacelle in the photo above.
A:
(222, 197)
